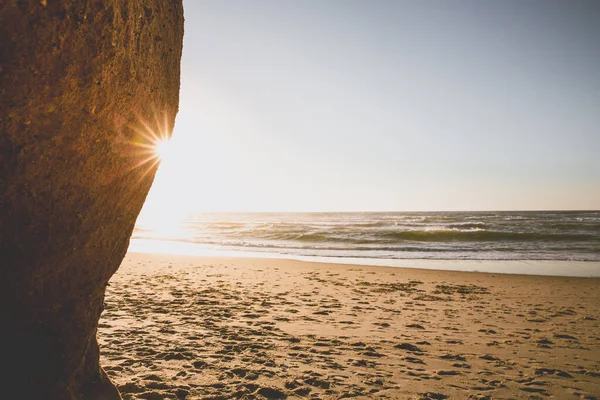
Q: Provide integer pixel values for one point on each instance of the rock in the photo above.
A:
(78, 80)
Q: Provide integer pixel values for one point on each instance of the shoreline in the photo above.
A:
(563, 268)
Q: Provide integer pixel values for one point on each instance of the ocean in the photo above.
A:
(380, 237)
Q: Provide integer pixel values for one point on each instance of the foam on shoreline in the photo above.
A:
(586, 269)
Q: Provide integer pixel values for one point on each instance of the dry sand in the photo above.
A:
(227, 328)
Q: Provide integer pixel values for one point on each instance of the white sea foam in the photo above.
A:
(384, 238)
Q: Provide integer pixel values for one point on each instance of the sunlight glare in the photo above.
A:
(163, 148)
(152, 144)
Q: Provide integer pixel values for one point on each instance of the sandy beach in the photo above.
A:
(233, 328)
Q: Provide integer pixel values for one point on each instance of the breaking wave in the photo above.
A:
(459, 235)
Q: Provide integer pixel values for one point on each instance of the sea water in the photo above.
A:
(382, 238)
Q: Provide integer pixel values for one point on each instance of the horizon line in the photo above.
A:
(396, 211)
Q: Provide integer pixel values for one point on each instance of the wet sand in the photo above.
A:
(232, 328)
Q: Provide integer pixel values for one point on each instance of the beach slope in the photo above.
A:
(198, 327)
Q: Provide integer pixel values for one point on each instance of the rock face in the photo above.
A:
(80, 81)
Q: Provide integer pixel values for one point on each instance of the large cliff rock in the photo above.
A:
(78, 79)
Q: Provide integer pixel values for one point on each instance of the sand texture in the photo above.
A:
(225, 328)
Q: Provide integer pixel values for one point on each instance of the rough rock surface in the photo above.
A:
(78, 80)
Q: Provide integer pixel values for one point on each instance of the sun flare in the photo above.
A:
(153, 145)
(162, 148)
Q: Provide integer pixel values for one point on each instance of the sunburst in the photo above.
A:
(152, 145)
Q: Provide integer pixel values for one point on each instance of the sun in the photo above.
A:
(163, 148)
(152, 145)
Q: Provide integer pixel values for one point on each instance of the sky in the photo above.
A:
(313, 105)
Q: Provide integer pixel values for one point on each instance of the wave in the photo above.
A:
(527, 235)
(486, 236)
(441, 235)
(388, 236)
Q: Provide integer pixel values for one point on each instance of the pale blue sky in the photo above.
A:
(390, 105)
